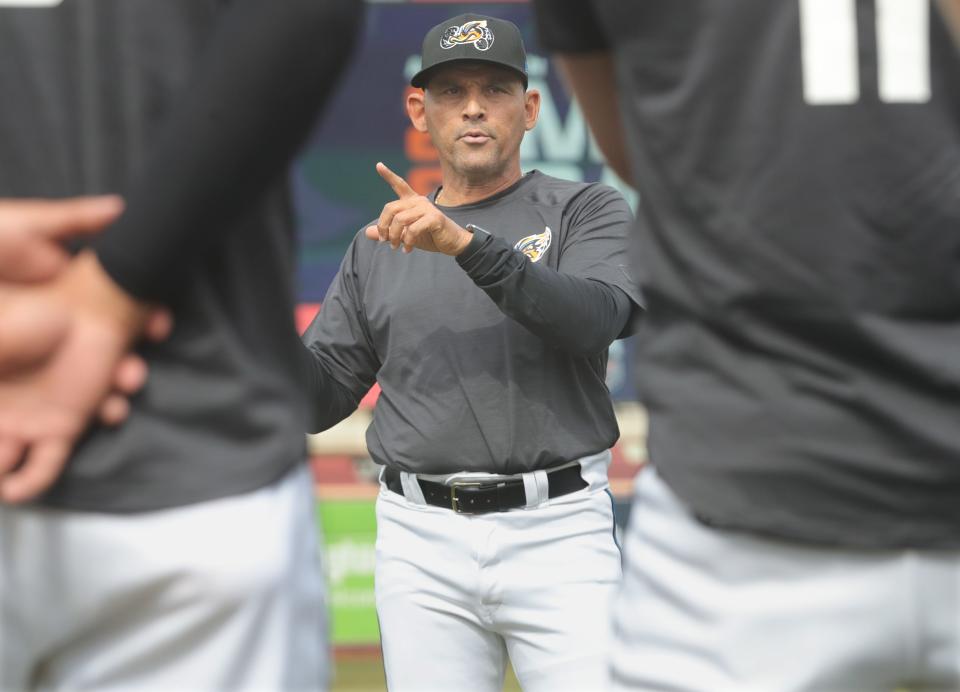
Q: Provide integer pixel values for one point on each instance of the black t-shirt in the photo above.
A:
(799, 167)
(192, 109)
(493, 361)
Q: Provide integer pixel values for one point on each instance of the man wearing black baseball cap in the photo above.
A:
(489, 338)
(472, 37)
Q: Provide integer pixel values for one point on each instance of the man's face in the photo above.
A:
(476, 114)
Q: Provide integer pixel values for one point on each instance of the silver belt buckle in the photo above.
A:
(454, 500)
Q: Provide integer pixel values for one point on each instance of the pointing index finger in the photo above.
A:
(399, 185)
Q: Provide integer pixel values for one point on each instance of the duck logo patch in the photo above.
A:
(535, 246)
(476, 32)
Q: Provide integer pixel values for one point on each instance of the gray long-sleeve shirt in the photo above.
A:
(491, 362)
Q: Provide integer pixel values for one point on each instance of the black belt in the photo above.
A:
(480, 497)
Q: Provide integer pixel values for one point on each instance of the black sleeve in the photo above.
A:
(265, 75)
(569, 26)
(588, 301)
(330, 401)
(339, 354)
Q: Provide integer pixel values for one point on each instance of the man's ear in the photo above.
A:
(416, 109)
(531, 107)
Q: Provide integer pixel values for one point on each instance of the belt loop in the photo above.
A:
(411, 488)
(593, 469)
(543, 485)
(536, 487)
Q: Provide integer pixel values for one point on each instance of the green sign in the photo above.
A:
(349, 528)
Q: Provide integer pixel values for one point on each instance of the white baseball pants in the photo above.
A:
(456, 594)
(706, 609)
(222, 595)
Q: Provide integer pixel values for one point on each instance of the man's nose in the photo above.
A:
(473, 108)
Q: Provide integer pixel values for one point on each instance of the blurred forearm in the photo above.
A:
(592, 80)
(950, 9)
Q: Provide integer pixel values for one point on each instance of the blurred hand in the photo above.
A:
(47, 403)
(951, 14)
(32, 232)
(413, 221)
(130, 375)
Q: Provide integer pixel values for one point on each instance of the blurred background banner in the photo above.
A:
(337, 192)
(349, 528)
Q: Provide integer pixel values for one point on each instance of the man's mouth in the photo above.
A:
(475, 137)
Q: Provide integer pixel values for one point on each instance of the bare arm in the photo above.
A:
(950, 9)
(591, 78)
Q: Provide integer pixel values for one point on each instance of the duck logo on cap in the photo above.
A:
(535, 246)
(475, 32)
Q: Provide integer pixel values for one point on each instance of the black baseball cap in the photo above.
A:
(472, 37)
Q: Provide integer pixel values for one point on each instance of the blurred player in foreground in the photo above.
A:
(177, 551)
(799, 165)
(488, 336)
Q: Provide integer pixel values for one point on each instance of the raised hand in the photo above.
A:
(412, 221)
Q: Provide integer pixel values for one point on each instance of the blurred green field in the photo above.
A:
(365, 674)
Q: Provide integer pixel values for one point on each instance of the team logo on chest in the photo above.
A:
(476, 32)
(535, 246)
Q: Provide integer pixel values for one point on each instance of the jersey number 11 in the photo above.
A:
(830, 51)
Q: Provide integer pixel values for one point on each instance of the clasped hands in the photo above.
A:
(66, 334)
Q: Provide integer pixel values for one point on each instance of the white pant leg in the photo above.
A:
(936, 593)
(454, 590)
(706, 609)
(427, 578)
(555, 572)
(222, 595)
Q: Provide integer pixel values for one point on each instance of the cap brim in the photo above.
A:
(421, 78)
